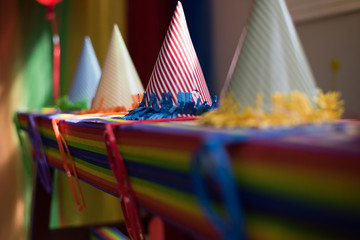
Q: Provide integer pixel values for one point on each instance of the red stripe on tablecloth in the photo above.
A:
(163, 141)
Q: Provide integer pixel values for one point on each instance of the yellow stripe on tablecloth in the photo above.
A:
(303, 185)
(167, 195)
(170, 159)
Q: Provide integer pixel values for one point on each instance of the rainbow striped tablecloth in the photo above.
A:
(299, 183)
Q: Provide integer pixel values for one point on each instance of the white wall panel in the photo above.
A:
(306, 10)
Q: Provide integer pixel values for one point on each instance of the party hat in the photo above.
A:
(177, 68)
(270, 58)
(87, 75)
(119, 79)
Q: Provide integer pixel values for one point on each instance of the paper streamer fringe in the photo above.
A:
(167, 109)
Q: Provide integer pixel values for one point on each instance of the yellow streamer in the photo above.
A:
(287, 110)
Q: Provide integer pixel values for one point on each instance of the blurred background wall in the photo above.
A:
(215, 27)
(335, 37)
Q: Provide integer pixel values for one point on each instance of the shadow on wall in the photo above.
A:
(335, 37)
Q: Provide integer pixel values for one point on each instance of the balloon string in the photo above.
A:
(50, 15)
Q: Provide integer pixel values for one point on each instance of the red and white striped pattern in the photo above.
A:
(177, 68)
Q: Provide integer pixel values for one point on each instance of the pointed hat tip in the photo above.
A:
(116, 29)
(179, 4)
(87, 39)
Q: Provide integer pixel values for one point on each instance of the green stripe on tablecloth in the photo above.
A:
(80, 143)
(272, 228)
(164, 158)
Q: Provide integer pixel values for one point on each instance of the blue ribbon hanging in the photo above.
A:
(42, 166)
(213, 159)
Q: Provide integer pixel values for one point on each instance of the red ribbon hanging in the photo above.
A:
(51, 16)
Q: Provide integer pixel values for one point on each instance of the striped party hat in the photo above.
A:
(177, 68)
(119, 79)
(87, 75)
(269, 57)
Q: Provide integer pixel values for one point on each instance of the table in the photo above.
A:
(294, 183)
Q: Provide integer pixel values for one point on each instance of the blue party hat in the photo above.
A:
(87, 75)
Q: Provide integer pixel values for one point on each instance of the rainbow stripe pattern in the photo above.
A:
(299, 183)
(106, 233)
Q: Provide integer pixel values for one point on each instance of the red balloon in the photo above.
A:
(48, 2)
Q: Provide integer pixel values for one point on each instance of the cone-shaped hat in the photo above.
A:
(87, 75)
(177, 68)
(270, 58)
(119, 78)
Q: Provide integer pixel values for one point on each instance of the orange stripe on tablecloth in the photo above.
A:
(89, 133)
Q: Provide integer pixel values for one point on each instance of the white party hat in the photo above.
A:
(119, 79)
(270, 58)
